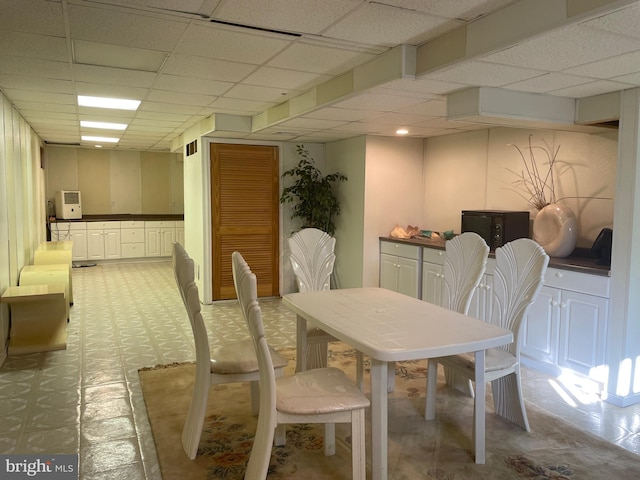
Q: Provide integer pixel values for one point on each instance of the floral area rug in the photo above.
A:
(434, 450)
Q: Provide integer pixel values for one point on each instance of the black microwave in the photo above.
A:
(497, 227)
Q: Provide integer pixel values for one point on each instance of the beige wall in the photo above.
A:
(22, 202)
(118, 181)
(474, 170)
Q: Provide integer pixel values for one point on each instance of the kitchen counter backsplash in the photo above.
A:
(579, 261)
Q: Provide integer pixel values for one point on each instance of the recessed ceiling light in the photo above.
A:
(105, 102)
(89, 138)
(103, 125)
(402, 131)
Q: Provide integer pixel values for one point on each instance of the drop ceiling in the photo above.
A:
(193, 60)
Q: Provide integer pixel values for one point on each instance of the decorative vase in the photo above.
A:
(555, 228)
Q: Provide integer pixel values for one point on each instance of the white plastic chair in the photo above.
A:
(517, 279)
(312, 259)
(321, 395)
(225, 364)
(464, 264)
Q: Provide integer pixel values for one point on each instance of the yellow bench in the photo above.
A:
(55, 253)
(47, 275)
(38, 318)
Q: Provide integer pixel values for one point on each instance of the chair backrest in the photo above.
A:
(464, 265)
(517, 279)
(312, 258)
(247, 293)
(183, 269)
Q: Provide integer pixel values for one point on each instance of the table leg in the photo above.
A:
(379, 427)
(301, 344)
(479, 409)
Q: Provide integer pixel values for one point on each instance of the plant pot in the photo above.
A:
(555, 228)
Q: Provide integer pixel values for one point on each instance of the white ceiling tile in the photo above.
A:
(41, 115)
(614, 66)
(287, 79)
(484, 73)
(285, 15)
(44, 107)
(548, 82)
(123, 27)
(17, 94)
(207, 68)
(564, 48)
(363, 127)
(193, 6)
(32, 16)
(425, 84)
(435, 108)
(36, 83)
(307, 57)
(33, 67)
(399, 119)
(624, 21)
(33, 46)
(117, 56)
(108, 114)
(465, 9)
(213, 41)
(191, 85)
(370, 23)
(116, 76)
(161, 116)
(165, 96)
(172, 108)
(593, 88)
(106, 89)
(632, 78)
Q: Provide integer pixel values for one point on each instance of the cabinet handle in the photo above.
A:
(559, 274)
(563, 305)
(553, 303)
(488, 287)
(440, 254)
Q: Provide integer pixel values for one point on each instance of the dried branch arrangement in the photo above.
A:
(536, 178)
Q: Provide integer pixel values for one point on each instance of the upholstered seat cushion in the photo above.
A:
(321, 390)
(240, 357)
(495, 359)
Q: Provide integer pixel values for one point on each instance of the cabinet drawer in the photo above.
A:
(132, 235)
(578, 282)
(132, 250)
(102, 225)
(78, 225)
(132, 224)
(433, 255)
(160, 224)
(400, 249)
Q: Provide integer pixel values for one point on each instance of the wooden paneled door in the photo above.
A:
(245, 213)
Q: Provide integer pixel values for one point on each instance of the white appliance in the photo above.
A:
(68, 204)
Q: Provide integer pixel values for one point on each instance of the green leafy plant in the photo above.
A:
(312, 193)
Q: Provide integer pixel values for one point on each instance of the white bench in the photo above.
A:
(55, 253)
(55, 274)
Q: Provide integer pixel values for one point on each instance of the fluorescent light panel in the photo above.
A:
(105, 102)
(103, 125)
(89, 138)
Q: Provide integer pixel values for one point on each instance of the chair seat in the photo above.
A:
(322, 390)
(240, 357)
(495, 359)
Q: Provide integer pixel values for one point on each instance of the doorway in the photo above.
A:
(245, 215)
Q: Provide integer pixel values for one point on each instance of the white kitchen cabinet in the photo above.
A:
(566, 325)
(180, 232)
(103, 240)
(74, 231)
(132, 239)
(400, 268)
(159, 238)
(432, 275)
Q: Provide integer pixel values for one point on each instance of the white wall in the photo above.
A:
(474, 170)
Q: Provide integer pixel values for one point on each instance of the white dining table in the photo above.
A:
(392, 327)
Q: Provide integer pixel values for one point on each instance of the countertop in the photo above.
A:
(124, 217)
(580, 261)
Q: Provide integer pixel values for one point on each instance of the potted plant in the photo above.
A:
(312, 193)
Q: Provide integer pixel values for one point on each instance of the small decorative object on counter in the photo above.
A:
(399, 232)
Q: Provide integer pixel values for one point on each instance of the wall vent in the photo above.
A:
(191, 148)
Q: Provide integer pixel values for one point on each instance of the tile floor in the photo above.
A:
(87, 399)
